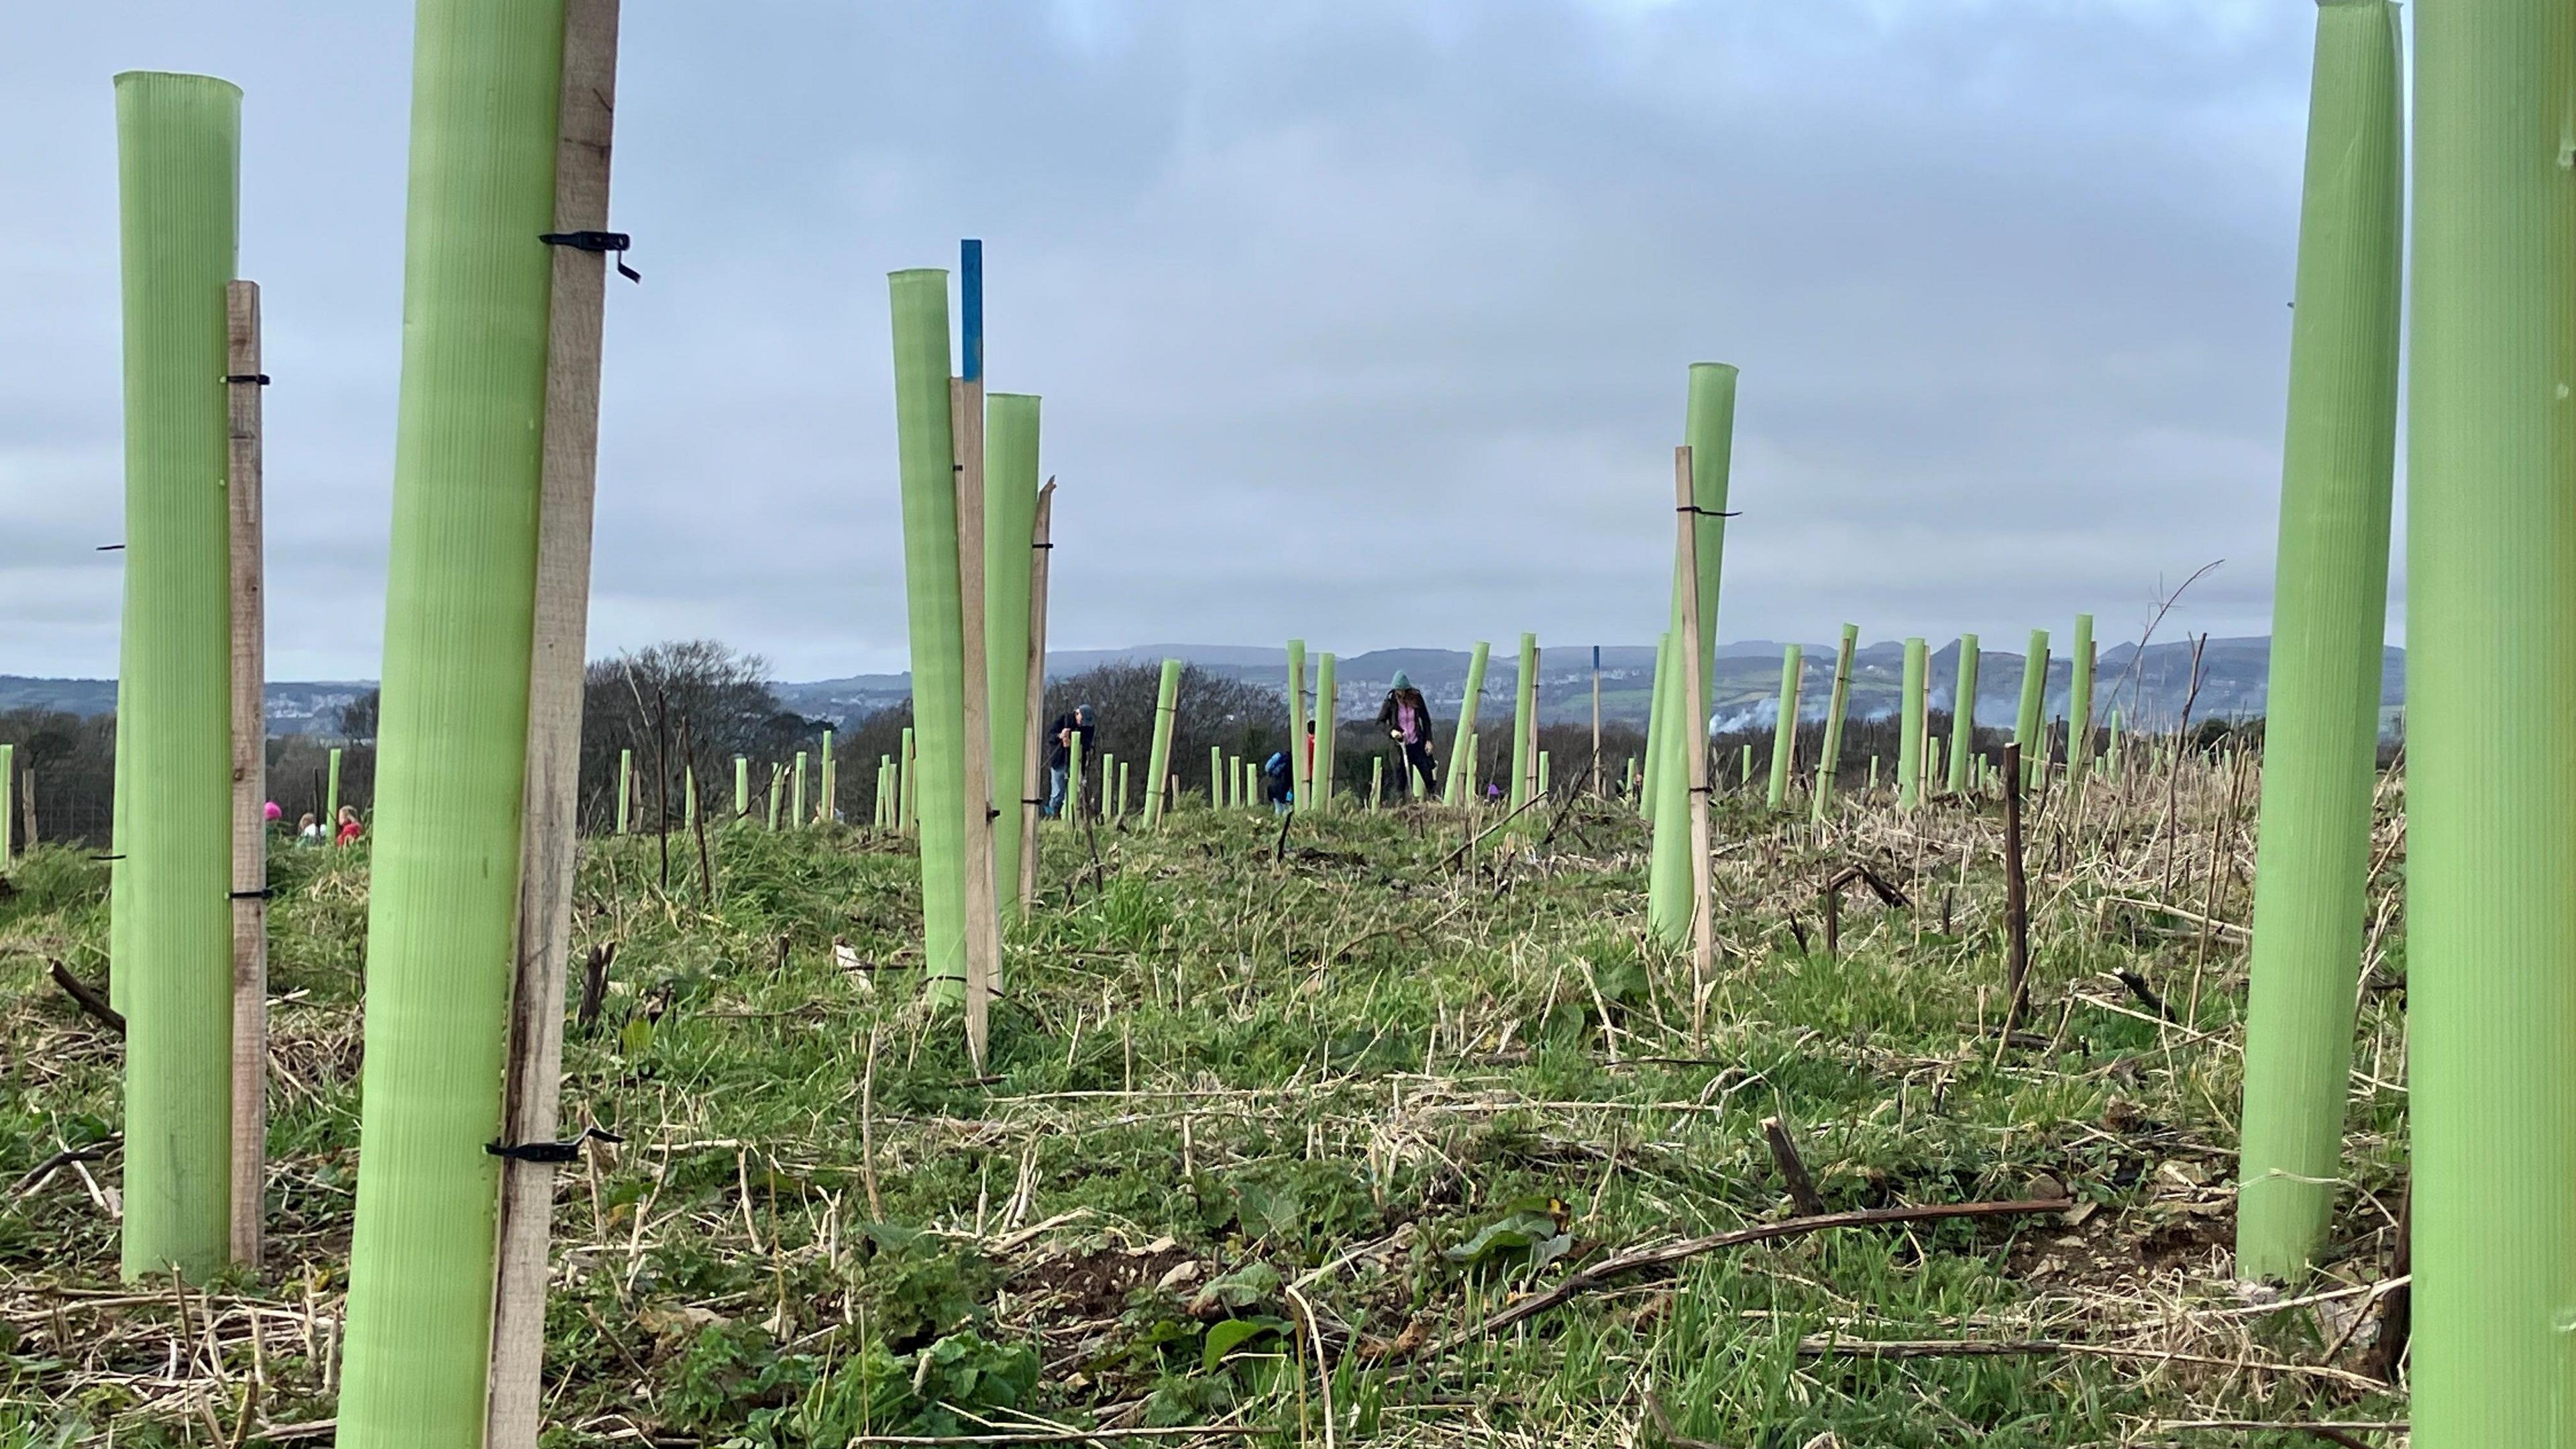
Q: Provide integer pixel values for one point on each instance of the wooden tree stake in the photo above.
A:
(250, 778)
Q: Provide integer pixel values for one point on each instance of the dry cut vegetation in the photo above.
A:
(1331, 1137)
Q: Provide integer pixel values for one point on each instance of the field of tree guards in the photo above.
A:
(1962, 1047)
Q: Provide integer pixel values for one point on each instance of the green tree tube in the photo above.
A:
(1963, 715)
(907, 787)
(796, 813)
(1377, 780)
(8, 801)
(1074, 803)
(1297, 721)
(331, 796)
(170, 921)
(1873, 774)
(2079, 698)
(1543, 784)
(1328, 698)
(1909, 744)
(777, 779)
(2329, 604)
(1784, 730)
(741, 786)
(938, 629)
(689, 797)
(625, 791)
(2034, 696)
(1158, 760)
(1524, 721)
(1461, 743)
(1708, 426)
(829, 803)
(2112, 753)
(460, 602)
(1216, 777)
(1744, 766)
(1831, 765)
(1010, 526)
(1121, 812)
(1107, 766)
(2491, 764)
(1665, 673)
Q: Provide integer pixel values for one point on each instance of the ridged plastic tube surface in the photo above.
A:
(1784, 730)
(2029, 722)
(923, 444)
(1297, 722)
(460, 602)
(1327, 696)
(1167, 698)
(1655, 707)
(170, 923)
(1909, 749)
(1829, 766)
(1462, 741)
(1963, 715)
(2491, 748)
(2329, 603)
(2079, 699)
(1680, 724)
(1010, 523)
(1524, 721)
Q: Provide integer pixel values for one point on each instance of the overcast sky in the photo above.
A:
(1363, 321)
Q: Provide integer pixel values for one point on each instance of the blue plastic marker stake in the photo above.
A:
(970, 297)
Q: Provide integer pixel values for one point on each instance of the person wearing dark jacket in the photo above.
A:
(1406, 718)
(1072, 725)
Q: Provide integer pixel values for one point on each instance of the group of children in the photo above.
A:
(308, 831)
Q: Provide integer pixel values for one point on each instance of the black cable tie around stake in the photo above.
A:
(568, 1150)
(258, 377)
(107, 857)
(263, 893)
(596, 241)
(110, 547)
(1708, 512)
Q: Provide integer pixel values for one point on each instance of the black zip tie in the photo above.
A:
(109, 547)
(596, 241)
(1041, 545)
(1707, 512)
(263, 893)
(568, 1150)
(1033, 802)
(258, 377)
(107, 857)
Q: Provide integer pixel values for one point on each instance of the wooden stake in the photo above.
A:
(966, 423)
(548, 853)
(1703, 938)
(250, 778)
(2016, 897)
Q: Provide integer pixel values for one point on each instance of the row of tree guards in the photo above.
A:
(468, 921)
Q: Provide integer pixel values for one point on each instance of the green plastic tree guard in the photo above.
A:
(1665, 674)
(1453, 792)
(1963, 716)
(2112, 753)
(625, 791)
(1297, 721)
(1744, 766)
(741, 786)
(2079, 694)
(1377, 782)
(1708, 426)
(8, 801)
(1830, 766)
(170, 917)
(451, 764)
(1328, 697)
(1909, 744)
(1010, 526)
(1784, 729)
(2028, 724)
(907, 788)
(1158, 760)
(937, 620)
(2329, 606)
(796, 813)
(828, 806)
(1074, 801)
(2491, 747)
(331, 796)
(1216, 777)
(1524, 721)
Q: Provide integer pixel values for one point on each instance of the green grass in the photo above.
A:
(1230, 1075)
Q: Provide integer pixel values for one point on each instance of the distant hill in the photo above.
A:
(1744, 691)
